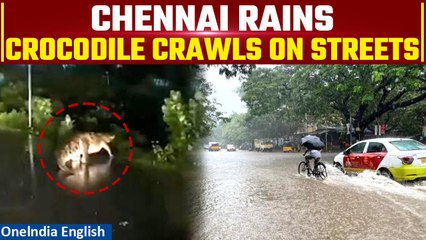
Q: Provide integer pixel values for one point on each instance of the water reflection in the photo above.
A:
(17, 171)
(31, 161)
(81, 162)
(86, 176)
(148, 203)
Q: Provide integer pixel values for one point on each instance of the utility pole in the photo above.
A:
(30, 137)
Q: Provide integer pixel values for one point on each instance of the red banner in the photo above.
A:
(182, 32)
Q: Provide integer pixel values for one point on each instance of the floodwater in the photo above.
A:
(147, 203)
(233, 195)
(252, 195)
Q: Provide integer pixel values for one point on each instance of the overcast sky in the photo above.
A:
(225, 91)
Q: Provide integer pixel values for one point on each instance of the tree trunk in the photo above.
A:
(361, 133)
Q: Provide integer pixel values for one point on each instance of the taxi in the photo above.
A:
(214, 146)
(290, 147)
(400, 159)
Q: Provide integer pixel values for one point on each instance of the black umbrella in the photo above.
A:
(312, 142)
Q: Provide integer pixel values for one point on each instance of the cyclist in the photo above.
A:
(312, 154)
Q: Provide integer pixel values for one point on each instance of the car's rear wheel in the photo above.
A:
(384, 172)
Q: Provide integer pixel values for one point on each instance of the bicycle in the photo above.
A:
(319, 171)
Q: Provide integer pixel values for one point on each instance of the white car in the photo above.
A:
(230, 148)
(401, 159)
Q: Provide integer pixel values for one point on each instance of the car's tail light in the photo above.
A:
(406, 159)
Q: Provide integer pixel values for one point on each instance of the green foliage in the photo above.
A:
(187, 122)
(14, 119)
(41, 111)
(13, 96)
(408, 122)
(363, 92)
(2, 107)
(242, 128)
(332, 94)
(275, 107)
(266, 90)
(135, 92)
(236, 131)
(236, 69)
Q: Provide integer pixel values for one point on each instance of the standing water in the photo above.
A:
(254, 195)
(147, 203)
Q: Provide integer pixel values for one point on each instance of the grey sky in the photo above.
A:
(225, 91)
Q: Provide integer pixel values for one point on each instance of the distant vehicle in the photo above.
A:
(214, 146)
(263, 145)
(290, 147)
(401, 159)
(230, 148)
(206, 147)
(246, 146)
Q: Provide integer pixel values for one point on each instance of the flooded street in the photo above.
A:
(252, 195)
(147, 203)
(233, 195)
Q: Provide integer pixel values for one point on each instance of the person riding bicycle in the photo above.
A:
(312, 154)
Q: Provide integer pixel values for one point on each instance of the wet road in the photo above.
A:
(148, 203)
(251, 195)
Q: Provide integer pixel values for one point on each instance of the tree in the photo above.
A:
(135, 92)
(245, 127)
(362, 94)
(186, 123)
(13, 96)
(269, 98)
(409, 121)
(266, 90)
(272, 125)
(236, 131)
(335, 94)
(236, 69)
